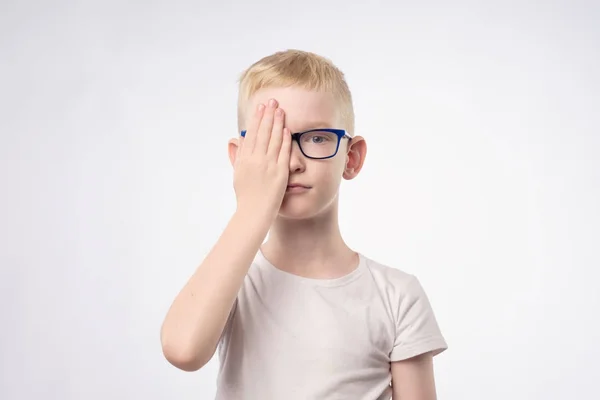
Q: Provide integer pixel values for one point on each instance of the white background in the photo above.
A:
(482, 178)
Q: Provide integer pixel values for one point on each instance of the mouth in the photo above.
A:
(296, 188)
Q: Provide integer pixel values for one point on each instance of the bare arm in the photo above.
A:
(195, 321)
(413, 379)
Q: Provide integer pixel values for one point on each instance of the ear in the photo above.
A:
(355, 157)
(232, 149)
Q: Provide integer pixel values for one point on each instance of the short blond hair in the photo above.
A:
(297, 68)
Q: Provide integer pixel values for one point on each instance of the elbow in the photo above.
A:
(184, 360)
(183, 357)
(180, 360)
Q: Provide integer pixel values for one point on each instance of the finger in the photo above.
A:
(276, 135)
(286, 149)
(266, 126)
(247, 142)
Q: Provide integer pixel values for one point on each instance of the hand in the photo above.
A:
(261, 167)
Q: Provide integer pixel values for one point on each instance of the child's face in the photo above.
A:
(306, 110)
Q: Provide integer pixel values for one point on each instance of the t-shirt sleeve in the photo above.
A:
(417, 330)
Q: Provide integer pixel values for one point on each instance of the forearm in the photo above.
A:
(195, 320)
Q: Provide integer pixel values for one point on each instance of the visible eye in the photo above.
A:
(319, 139)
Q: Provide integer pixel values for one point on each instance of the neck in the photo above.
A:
(310, 247)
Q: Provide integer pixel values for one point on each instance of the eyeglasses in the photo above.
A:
(318, 144)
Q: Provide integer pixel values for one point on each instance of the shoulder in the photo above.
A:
(400, 289)
(395, 281)
(416, 326)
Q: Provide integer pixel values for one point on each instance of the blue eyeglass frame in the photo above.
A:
(341, 134)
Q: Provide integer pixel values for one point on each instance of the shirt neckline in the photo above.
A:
(265, 264)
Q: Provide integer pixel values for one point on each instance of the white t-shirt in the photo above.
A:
(295, 338)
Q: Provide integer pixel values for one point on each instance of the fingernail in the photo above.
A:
(272, 102)
(261, 107)
(279, 112)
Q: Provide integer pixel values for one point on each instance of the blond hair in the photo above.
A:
(297, 68)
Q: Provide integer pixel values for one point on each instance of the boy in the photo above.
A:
(300, 316)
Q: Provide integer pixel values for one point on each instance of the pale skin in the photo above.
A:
(413, 379)
(304, 237)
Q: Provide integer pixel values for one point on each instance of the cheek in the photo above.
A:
(331, 176)
(339, 166)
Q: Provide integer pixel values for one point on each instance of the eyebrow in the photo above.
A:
(314, 125)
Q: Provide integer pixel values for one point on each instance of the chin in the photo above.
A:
(297, 212)
(303, 209)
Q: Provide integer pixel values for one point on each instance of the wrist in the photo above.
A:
(255, 220)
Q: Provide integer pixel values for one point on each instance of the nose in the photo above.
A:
(297, 159)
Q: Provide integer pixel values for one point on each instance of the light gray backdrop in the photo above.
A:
(482, 178)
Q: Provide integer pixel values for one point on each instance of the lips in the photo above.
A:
(296, 188)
